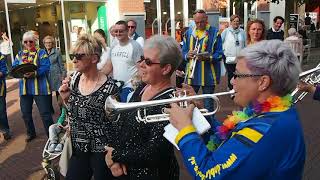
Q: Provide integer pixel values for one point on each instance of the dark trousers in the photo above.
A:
(230, 70)
(4, 125)
(44, 105)
(85, 164)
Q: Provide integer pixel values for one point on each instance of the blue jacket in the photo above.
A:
(38, 85)
(4, 70)
(270, 146)
(207, 73)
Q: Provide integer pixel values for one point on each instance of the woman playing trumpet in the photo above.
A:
(139, 151)
(265, 140)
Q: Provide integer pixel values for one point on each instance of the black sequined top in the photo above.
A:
(142, 147)
(90, 129)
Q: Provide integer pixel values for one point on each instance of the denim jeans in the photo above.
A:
(54, 131)
(4, 125)
(43, 103)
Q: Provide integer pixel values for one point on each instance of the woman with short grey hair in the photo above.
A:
(265, 136)
(140, 147)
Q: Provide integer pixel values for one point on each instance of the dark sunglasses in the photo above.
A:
(147, 61)
(31, 42)
(132, 27)
(238, 75)
(77, 56)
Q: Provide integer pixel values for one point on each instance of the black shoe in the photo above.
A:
(30, 138)
(7, 136)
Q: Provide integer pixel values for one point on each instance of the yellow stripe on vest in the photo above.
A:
(251, 134)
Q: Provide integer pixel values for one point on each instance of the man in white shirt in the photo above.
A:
(122, 58)
(132, 26)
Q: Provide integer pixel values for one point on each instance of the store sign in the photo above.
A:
(102, 18)
(294, 21)
(21, 1)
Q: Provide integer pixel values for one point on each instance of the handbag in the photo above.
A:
(231, 60)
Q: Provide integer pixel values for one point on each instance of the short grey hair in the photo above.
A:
(169, 50)
(292, 32)
(275, 59)
(29, 34)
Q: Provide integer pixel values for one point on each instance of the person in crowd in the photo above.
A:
(233, 39)
(307, 20)
(275, 32)
(303, 33)
(34, 86)
(113, 38)
(57, 69)
(265, 136)
(132, 26)
(293, 34)
(56, 144)
(85, 99)
(4, 125)
(255, 31)
(101, 36)
(122, 58)
(5, 49)
(139, 151)
(314, 90)
(205, 39)
(298, 42)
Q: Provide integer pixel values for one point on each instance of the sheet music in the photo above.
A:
(199, 121)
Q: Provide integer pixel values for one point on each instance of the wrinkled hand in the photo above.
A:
(29, 74)
(180, 73)
(64, 89)
(108, 157)
(190, 92)
(191, 54)
(118, 169)
(306, 87)
(180, 117)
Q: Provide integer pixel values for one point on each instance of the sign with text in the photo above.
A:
(294, 21)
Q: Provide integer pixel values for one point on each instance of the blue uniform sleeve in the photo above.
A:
(3, 67)
(316, 95)
(217, 52)
(43, 63)
(221, 163)
(185, 47)
(16, 61)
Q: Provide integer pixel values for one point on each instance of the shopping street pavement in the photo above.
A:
(19, 160)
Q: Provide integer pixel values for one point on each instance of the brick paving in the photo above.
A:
(19, 160)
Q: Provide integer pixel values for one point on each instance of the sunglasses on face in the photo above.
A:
(239, 75)
(25, 42)
(131, 27)
(77, 56)
(147, 61)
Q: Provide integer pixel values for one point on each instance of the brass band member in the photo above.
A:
(139, 150)
(265, 139)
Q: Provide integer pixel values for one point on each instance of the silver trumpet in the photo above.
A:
(311, 76)
(195, 58)
(114, 107)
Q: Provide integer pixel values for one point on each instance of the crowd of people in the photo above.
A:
(262, 70)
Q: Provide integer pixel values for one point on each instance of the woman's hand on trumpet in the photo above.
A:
(303, 86)
(180, 117)
(189, 92)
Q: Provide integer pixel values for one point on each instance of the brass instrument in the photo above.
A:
(311, 76)
(195, 58)
(113, 106)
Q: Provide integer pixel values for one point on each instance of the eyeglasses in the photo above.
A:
(131, 27)
(147, 61)
(26, 42)
(77, 56)
(238, 75)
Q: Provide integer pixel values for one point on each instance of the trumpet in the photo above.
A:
(311, 76)
(114, 107)
(195, 58)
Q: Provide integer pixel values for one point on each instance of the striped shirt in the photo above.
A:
(39, 84)
(207, 73)
(3, 70)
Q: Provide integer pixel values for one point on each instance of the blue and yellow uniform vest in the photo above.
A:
(4, 71)
(270, 146)
(39, 85)
(207, 73)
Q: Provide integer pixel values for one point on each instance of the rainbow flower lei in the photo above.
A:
(272, 104)
(28, 56)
